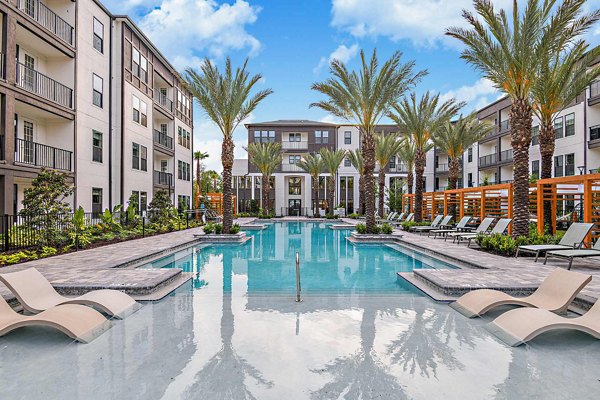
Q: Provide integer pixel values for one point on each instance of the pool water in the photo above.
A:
(235, 332)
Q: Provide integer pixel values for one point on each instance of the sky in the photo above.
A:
(291, 42)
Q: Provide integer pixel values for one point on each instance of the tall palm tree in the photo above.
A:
(332, 160)
(406, 153)
(421, 120)
(386, 147)
(356, 159)
(313, 165)
(198, 156)
(225, 97)
(266, 157)
(364, 97)
(509, 50)
(563, 76)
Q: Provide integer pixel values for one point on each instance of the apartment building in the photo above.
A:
(85, 92)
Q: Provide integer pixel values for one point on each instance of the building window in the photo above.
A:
(321, 137)
(98, 39)
(294, 159)
(183, 202)
(347, 137)
(139, 157)
(535, 135)
(97, 90)
(184, 138)
(558, 128)
(183, 170)
(570, 164)
(392, 163)
(139, 65)
(142, 199)
(470, 179)
(96, 146)
(535, 169)
(96, 200)
(558, 166)
(295, 137)
(295, 187)
(265, 136)
(183, 103)
(140, 110)
(569, 124)
(470, 154)
(347, 162)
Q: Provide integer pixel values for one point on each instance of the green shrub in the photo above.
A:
(407, 225)
(386, 228)
(376, 230)
(209, 228)
(48, 251)
(20, 256)
(331, 216)
(361, 229)
(234, 229)
(218, 229)
(507, 246)
(353, 216)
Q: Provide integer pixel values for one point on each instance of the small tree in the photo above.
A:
(161, 208)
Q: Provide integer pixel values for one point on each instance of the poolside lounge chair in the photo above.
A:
(36, 294)
(397, 218)
(459, 228)
(575, 253)
(500, 227)
(481, 228)
(572, 239)
(81, 323)
(516, 327)
(389, 217)
(555, 294)
(437, 223)
(409, 218)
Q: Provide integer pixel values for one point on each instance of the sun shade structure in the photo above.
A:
(462, 224)
(516, 327)
(554, 294)
(573, 238)
(36, 294)
(79, 322)
(576, 253)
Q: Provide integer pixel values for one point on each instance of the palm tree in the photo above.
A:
(313, 165)
(510, 54)
(364, 97)
(355, 157)
(563, 76)
(386, 147)
(198, 156)
(226, 99)
(331, 160)
(421, 121)
(266, 157)
(406, 153)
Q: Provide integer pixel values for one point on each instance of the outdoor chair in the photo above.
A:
(398, 218)
(575, 253)
(481, 228)
(460, 227)
(500, 227)
(554, 294)
(389, 217)
(437, 223)
(572, 239)
(36, 294)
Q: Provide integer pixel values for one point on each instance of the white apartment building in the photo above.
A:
(92, 97)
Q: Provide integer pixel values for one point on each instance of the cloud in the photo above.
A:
(423, 21)
(187, 30)
(477, 95)
(342, 53)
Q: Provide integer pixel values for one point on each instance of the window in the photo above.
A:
(96, 146)
(184, 138)
(569, 164)
(266, 136)
(535, 169)
(321, 137)
(97, 90)
(392, 163)
(558, 166)
(295, 186)
(294, 159)
(143, 158)
(470, 179)
(183, 170)
(139, 156)
(143, 200)
(183, 103)
(140, 111)
(98, 39)
(347, 137)
(535, 135)
(96, 200)
(139, 65)
(470, 154)
(569, 124)
(295, 137)
(183, 202)
(558, 128)
(347, 162)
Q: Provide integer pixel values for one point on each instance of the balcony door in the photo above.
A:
(163, 165)
(29, 72)
(26, 147)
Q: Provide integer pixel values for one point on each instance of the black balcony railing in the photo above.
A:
(163, 139)
(36, 82)
(40, 155)
(40, 13)
(163, 178)
(163, 100)
(441, 168)
(487, 160)
(506, 155)
(595, 132)
(504, 126)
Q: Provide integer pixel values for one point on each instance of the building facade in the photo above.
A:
(84, 92)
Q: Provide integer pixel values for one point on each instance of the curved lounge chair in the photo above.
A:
(572, 239)
(554, 294)
(81, 323)
(516, 327)
(36, 294)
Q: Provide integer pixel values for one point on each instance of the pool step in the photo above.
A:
(428, 290)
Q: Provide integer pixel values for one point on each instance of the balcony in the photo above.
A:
(594, 94)
(162, 100)
(163, 179)
(398, 168)
(291, 168)
(487, 161)
(506, 155)
(163, 139)
(491, 160)
(40, 155)
(500, 130)
(46, 87)
(441, 168)
(594, 137)
(301, 145)
(39, 12)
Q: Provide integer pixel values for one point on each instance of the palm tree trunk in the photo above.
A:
(330, 194)
(227, 161)
(265, 194)
(419, 170)
(453, 172)
(381, 190)
(316, 195)
(547, 145)
(520, 122)
(361, 194)
(368, 150)
(410, 179)
(197, 194)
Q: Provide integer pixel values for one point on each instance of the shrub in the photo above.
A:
(387, 229)
(209, 228)
(48, 251)
(331, 216)
(407, 225)
(361, 229)
(353, 216)
(376, 230)
(507, 246)
(235, 229)
(218, 229)
(20, 256)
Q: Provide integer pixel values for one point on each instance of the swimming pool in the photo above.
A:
(234, 332)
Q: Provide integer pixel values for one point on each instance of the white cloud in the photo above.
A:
(477, 96)
(421, 21)
(186, 30)
(342, 53)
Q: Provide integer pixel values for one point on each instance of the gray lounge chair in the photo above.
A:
(572, 239)
(398, 218)
(481, 228)
(389, 217)
(462, 224)
(576, 253)
(409, 218)
(445, 222)
(500, 227)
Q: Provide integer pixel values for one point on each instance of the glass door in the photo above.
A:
(294, 207)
